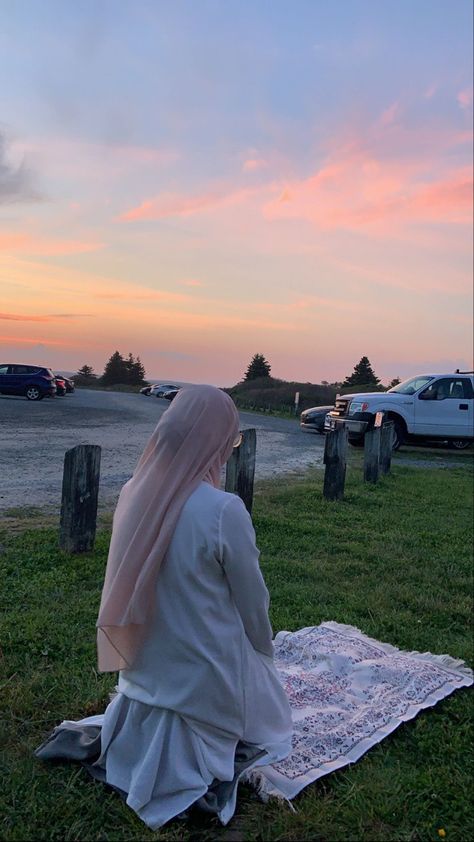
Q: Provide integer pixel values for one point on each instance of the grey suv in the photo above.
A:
(32, 381)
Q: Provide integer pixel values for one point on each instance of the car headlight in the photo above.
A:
(358, 406)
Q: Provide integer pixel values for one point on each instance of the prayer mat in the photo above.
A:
(347, 692)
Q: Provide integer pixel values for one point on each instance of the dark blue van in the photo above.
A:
(33, 381)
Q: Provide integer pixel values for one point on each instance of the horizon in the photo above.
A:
(198, 184)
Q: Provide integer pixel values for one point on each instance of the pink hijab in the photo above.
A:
(191, 443)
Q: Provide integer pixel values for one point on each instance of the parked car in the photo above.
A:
(313, 419)
(33, 381)
(60, 385)
(145, 390)
(428, 407)
(69, 384)
(160, 389)
(170, 394)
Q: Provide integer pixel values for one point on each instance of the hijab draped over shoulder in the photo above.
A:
(191, 443)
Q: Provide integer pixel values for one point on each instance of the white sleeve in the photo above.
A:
(239, 558)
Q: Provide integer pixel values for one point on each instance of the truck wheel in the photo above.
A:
(460, 444)
(398, 435)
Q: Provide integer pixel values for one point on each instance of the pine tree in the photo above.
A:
(115, 370)
(87, 371)
(135, 371)
(394, 382)
(258, 367)
(140, 372)
(363, 375)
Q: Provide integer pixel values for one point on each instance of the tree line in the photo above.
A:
(130, 371)
(362, 375)
(119, 370)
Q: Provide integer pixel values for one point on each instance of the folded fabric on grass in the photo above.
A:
(347, 692)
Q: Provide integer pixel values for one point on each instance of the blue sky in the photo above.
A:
(295, 160)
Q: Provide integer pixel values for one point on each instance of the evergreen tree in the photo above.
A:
(135, 371)
(86, 371)
(115, 370)
(394, 382)
(258, 367)
(363, 375)
(140, 372)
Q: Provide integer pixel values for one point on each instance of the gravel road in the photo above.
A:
(35, 437)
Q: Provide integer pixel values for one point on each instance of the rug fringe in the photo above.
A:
(264, 789)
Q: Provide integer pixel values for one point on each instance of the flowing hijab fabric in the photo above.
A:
(191, 443)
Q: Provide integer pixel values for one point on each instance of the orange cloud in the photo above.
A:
(20, 340)
(50, 317)
(170, 204)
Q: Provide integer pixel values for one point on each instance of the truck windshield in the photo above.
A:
(409, 387)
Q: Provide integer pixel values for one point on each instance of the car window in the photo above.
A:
(468, 391)
(3, 369)
(20, 369)
(447, 388)
(409, 387)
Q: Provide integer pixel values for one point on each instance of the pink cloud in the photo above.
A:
(355, 189)
(254, 164)
(170, 204)
(430, 92)
(153, 295)
(389, 115)
(29, 244)
(464, 98)
(192, 282)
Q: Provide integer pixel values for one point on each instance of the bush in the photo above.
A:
(269, 394)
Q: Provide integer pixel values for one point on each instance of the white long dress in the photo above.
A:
(205, 677)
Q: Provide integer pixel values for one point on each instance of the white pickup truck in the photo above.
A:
(438, 407)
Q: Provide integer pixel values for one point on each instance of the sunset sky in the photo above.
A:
(196, 182)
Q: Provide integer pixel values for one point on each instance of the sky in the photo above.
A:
(197, 182)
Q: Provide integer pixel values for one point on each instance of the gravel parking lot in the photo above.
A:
(35, 436)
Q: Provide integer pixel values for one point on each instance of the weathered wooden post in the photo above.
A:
(297, 402)
(335, 450)
(372, 450)
(79, 498)
(240, 470)
(386, 443)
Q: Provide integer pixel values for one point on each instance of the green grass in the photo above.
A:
(393, 559)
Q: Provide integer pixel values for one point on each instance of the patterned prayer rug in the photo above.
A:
(347, 692)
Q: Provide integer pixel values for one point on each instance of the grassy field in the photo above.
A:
(393, 559)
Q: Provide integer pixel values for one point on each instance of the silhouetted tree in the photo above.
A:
(394, 382)
(134, 371)
(129, 371)
(115, 370)
(258, 367)
(363, 375)
(87, 371)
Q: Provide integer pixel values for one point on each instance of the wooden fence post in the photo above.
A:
(372, 455)
(79, 498)
(240, 469)
(335, 450)
(386, 441)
